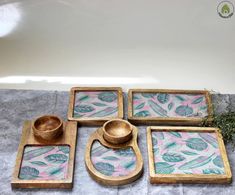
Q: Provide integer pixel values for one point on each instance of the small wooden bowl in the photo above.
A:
(48, 127)
(117, 131)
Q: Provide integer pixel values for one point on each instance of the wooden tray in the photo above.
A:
(103, 171)
(187, 155)
(95, 105)
(45, 164)
(172, 107)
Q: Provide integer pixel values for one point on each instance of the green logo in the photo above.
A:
(225, 9)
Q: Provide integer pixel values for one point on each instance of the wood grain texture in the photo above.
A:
(187, 178)
(68, 137)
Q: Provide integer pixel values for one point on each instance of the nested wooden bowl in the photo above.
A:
(48, 127)
(117, 131)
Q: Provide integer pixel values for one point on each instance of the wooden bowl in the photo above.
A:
(117, 131)
(48, 127)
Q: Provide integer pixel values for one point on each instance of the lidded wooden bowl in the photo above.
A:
(117, 131)
(48, 127)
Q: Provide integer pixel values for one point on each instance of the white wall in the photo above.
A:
(129, 43)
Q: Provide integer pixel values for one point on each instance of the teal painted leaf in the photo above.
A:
(213, 171)
(55, 171)
(143, 113)
(160, 135)
(189, 153)
(209, 139)
(104, 168)
(203, 108)
(157, 109)
(184, 110)
(28, 173)
(196, 144)
(135, 97)
(84, 108)
(99, 151)
(163, 168)
(170, 106)
(85, 97)
(113, 158)
(154, 140)
(56, 158)
(124, 152)
(163, 98)
(106, 112)
(140, 106)
(130, 165)
(197, 162)
(172, 157)
(180, 98)
(107, 96)
(176, 134)
(64, 149)
(170, 145)
(75, 114)
(148, 95)
(99, 104)
(39, 163)
(198, 100)
(37, 152)
(218, 162)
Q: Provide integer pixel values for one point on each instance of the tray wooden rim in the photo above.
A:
(94, 120)
(109, 180)
(170, 120)
(184, 178)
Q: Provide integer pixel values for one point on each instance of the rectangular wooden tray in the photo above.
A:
(187, 155)
(27, 172)
(95, 105)
(169, 107)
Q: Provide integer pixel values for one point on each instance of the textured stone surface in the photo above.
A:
(18, 105)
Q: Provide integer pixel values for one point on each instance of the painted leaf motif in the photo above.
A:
(198, 100)
(189, 153)
(148, 95)
(104, 168)
(64, 149)
(196, 144)
(163, 168)
(55, 171)
(213, 171)
(28, 173)
(170, 106)
(170, 145)
(218, 162)
(163, 98)
(160, 135)
(143, 113)
(84, 108)
(156, 108)
(172, 157)
(209, 139)
(176, 134)
(56, 158)
(37, 152)
(39, 163)
(197, 162)
(124, 152)
(106, 112)
(99, 104)
(130, 165)
(107, 96)
(85, 97)
(154, 140)
(113, 158)
(180, 98)
(140, 106)
(99, 151)
(184, 110)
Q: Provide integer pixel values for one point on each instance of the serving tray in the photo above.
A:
(95, 105)
(174, 107)
(45, 164)
(187, 155)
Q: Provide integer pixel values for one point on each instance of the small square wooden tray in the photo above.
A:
(187, 155)
(45, 164)
(95, 105)
(169, 107)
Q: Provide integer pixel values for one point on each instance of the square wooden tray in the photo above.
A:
(169, 107)
(68, 138)
(95, 105)
(187, 155)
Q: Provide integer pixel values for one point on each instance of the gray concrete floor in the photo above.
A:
(19, 105)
